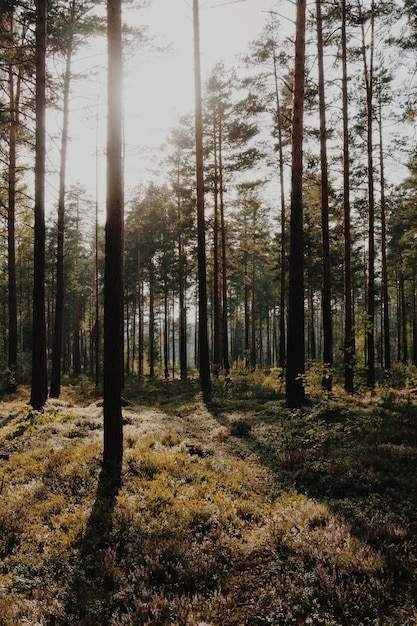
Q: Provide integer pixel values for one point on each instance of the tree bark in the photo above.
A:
(225, 324)
(11, 246)
(204, 358)
(113, 278)
(39, 387)
(368, 76)
(295, 359)
(55, 388)
(282, 288)
(182, 292)
(349, 344)
(326, 290)
(384, 269)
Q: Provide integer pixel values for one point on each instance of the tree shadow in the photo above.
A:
(368, 481)
(92, 583)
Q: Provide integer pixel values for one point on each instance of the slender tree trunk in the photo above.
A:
(151, 357)
(166, 333)
(39, 388)
(398, 272)
(225, 328)
(282, 288)
(182, 291)
(384, 269)
(173, 337)
(204, 358)
(246, 310)
(326, 292)
(11, 246)
(349, 346)
(76, 355)
(97, 300)
(55, 388)
(368, 75)
(113, 278)
(414, 321)
(312, 328)
(216, 291)
(253, 355)
(127, 325)
(403, 318)
(295, 358)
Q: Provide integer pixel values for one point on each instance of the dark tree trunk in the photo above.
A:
(368, 75)
(151, 357)
(295, 357)
(253, 355)
(113, 277)
(97, 309)
(204, 357)
(140, 311)
(326, 292)
(246, 310)
(55, 388)
(182, 291)
(166, 333)
(217, 360)
(282, 287)
(385, 297)
(311, 324)
(403, 318)
(76, 354)
(39, 388)
(225, 325)
(414, 321)
(11, 246)
(349, 345)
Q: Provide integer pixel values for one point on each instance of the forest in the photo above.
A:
(208, 408)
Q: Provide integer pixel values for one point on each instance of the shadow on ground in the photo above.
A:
(361, 464)
(91, 583)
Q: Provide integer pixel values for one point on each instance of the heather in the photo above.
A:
(234, 511)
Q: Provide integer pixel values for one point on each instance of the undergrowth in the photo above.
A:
(230, 513)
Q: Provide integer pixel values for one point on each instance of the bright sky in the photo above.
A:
(159, 86)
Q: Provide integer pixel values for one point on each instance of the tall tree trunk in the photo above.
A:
(349, 345)
(113, 277)
(39, 388)
(151, 320)
(295, 358)
(398, 272)
(253, 356)
(326, 291)
(166, 332)
(368, 76)
(55, 388)
(384, 269)
(282, 288)
(173, 337)
(224, 307)
(414, 321)
(96, 285)
(217, 360)
(311, 319)
(403, 317)
(140, 311)
(204, 357)
(182, 291)
(246, 310)
(14, 97)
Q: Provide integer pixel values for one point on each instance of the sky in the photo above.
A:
(159, 86)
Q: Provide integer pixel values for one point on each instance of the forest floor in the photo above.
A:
(233, 512)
